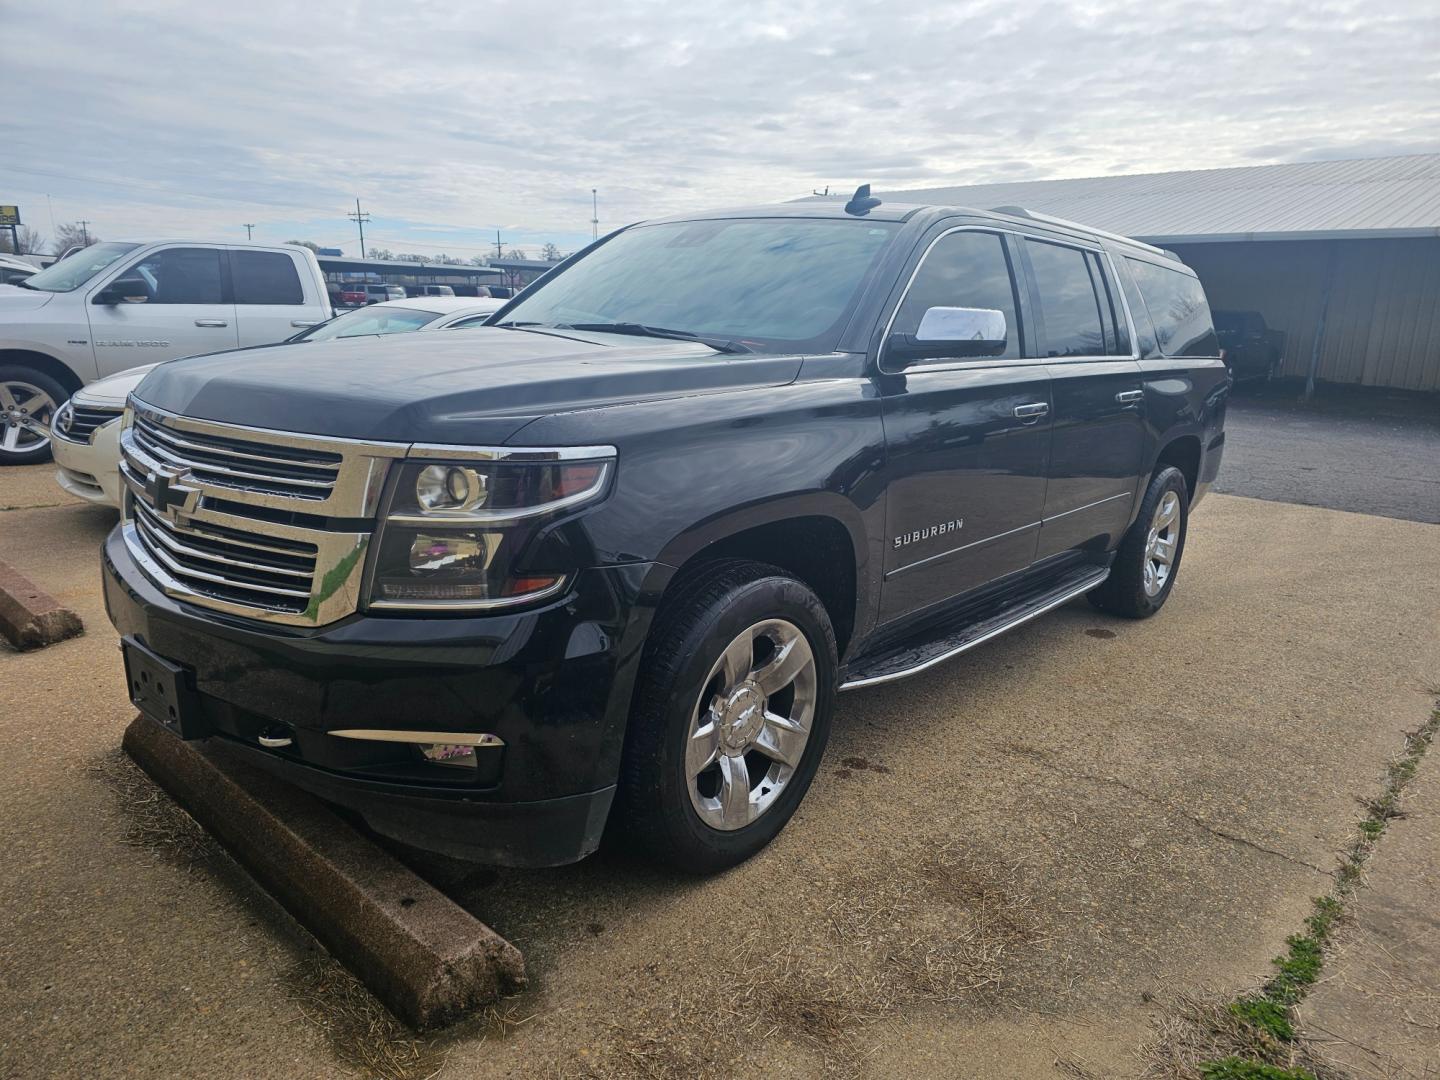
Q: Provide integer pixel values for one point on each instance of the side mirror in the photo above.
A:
(950, 333)
(125, 290)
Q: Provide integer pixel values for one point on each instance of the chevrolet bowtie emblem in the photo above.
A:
(166, 492)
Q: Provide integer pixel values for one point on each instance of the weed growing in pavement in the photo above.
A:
(1254, 1037)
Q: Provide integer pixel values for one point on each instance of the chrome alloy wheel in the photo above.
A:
(751, 725)
(1160, 546)
(25, 412)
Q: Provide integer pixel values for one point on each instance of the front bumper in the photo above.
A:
(90, 471)
(553, 684)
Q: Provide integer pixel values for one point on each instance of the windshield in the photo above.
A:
(67, 275)
(770, 284)
(367, 322)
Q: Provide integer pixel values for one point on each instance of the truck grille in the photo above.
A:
(229, 564)
(263, 524)
(241, 463)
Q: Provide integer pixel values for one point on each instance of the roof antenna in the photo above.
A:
(861, 203)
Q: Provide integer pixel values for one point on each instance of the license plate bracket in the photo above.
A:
(161, 690)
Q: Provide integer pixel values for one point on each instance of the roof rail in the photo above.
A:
(1035, 215)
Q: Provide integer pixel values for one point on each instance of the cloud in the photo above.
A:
(164, 117)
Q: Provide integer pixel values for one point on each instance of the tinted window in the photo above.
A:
(265, 277)
(1144, 330)
(1067, 300)
(964, 269)
(1178, 308)
(770, 283)
(181, 276)
(1117, 333)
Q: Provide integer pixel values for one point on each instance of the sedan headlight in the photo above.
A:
(454, 532)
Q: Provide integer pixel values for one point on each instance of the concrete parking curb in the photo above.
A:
(29, 617)
(426, 958)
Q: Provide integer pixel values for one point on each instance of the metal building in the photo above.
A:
(1343, 256)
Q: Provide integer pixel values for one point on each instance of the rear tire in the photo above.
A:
(28, 400)
(1148, 559)
(730, 718)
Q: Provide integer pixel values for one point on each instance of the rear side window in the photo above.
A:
(1068, 303)
(963, 269)
(265, 277)
(1178, 308)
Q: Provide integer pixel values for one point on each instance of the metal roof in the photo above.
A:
(344, 264)
(1359, 198)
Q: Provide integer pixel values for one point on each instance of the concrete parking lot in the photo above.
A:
(1012, 865)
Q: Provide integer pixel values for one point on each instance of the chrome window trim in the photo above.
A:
(1006, 361)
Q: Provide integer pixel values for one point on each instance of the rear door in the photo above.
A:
(270, 295)
(1097, 437)
(966, 439)
(187, 309)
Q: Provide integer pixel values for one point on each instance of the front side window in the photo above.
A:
(1178, 308)
(180, 276)
(265, 277)
(964, 269)
(1068, 303)
(67, 275)
(369, 322)
(772, 284)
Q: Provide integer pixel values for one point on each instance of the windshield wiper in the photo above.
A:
(723, 345)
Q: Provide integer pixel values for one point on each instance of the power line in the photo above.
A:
(594, 215)
(360, 218)
(248, 226)
(84, 230)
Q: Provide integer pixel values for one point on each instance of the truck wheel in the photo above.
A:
(730, 718)
(28, 400)
(1144, 569)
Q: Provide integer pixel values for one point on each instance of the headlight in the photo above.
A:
(454, 533)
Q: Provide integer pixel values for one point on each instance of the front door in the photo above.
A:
(1098, 431)
(966, 440)
(186, 310)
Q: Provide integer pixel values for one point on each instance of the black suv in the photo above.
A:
(609, 559)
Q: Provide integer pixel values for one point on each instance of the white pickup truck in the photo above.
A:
(118, 305)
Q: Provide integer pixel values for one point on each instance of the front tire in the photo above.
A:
(1148, 559)
(730, 719)
(28, 400)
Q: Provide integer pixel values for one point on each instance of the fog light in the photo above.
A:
(448, 753)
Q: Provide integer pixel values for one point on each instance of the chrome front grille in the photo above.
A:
(85, 419)
(242, 464)
(264, 524)
(230, 564)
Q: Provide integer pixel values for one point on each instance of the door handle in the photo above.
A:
(1129, 397)
(304, 322)
(1032, 412)
(211, 322)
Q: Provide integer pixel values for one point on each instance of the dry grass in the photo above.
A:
(151, 818)
(1195, 1030)
(361, 1033)
(915, 927)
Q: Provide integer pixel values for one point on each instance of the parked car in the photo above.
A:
(358, 294)
(118, 305)
(429, 290)
(86, 429)
(1251, 349)
(14, 270)
(610, 557)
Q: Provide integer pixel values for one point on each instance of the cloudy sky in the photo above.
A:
(450, 120)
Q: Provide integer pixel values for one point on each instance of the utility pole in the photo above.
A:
(84, 231)
(594, 215)
(248, 226)
(498, 252)
(360, 218)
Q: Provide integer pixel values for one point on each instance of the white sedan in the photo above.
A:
(86, 429)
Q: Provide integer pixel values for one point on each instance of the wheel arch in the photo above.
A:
(1183, 453)
(43, 362)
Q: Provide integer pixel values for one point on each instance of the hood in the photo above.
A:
(14, 298)
(466, 387)
(114, 390)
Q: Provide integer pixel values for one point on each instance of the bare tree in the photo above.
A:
(306, 244)
(29, 241)
(550, 253)
(514, 253)
(73, 234)
(381, 253)
(477, 260)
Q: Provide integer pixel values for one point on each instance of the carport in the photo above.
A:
(1342, 256)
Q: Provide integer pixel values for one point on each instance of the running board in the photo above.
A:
(913, 659)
